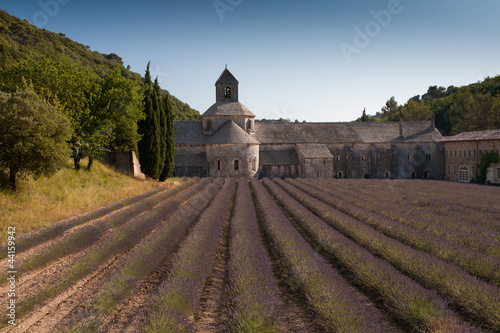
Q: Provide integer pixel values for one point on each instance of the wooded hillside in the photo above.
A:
(21, 42)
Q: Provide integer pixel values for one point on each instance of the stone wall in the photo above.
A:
(223, 158)
(462, 158)
(124, 161)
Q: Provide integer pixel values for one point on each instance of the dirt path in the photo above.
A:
(213, 316)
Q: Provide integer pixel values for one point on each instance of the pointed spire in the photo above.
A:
(227, 77)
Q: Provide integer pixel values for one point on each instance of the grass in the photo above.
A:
(39, 203)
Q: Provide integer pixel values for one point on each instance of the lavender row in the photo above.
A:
(338, 307)
(404, 298)
(255, 304)
(179, 296)
(475, 222)
(86, 235)
(153, 250)
(120, 240)
(444, 197)
(476, 297)
(480, 264)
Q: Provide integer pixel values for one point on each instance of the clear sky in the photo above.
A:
(314, 60)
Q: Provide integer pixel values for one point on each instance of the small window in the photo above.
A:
(363, 157)
(236, 165)
(426, 174)
(353, 174)
(218, 164)
(319, 174)
(413, 175)
(460, 153)
(254, 164)
(454, 169)
(228, 92)
(387, 175)
(409, 157)
(337, 158)
(470, 153)
(379, 158)
(340, 174)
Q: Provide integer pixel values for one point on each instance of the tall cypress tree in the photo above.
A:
(149, 128)
(168, 166)
(160, 109)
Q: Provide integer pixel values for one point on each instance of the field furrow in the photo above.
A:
(294, 255)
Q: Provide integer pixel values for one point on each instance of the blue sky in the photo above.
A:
(316, 60)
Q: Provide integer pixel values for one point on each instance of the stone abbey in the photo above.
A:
(228, 142)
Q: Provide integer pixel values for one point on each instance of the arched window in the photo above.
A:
(227, 92)
(426, 174)
(340, 174)
(413, 175)
(464, 175)
(363, 157)
(353, 175)
(218, 164)
(236, 164)
(387, 175)
(337, 158)
(409, 157)
(254, 164)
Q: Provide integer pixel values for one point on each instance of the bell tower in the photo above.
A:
(226, 88)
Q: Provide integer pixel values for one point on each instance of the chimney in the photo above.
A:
(401, 130)
(433, 120)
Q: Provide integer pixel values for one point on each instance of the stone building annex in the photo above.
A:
(228, 142)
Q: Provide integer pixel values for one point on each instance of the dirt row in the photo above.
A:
(72, 306)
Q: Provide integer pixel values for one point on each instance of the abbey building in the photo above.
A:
(228, 142)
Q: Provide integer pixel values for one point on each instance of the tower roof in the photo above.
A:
(226, 77)
(228, 109)
(231, 133)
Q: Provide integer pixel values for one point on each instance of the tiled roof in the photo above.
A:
(230, 132)
(477, 135)
(314, 150)
(355, 132)
(278, 157)
(226, 77)
(191, 133)
(228, 109)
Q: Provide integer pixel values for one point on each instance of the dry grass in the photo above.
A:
(39, 203)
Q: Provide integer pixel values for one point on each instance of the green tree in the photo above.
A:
(33, 136)
(474, 113)
(415, 111)
(487, 159)
(168, 166)
(364, 118)
(391, 110)
(149, 129)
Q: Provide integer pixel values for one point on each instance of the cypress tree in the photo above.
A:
(168, 166)
(160, 109)
(149, 128)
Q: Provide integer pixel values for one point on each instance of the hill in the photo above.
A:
(473, 107)
(20, 42)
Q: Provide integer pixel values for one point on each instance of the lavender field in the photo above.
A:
(293, 255)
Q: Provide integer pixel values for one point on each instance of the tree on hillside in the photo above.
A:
(364, 118)
(415, 111)
(474, 113)
(168, 166)
(391, 110)
(33, 136)
(149, 146)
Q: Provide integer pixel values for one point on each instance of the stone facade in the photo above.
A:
(126, 162)
(464, 151)
(228, 142)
